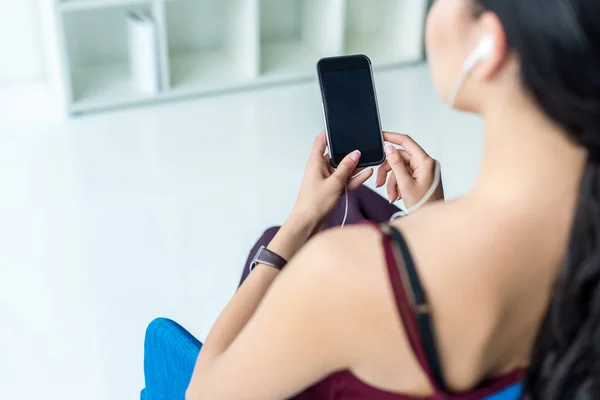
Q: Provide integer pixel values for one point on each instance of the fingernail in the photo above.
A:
(389, 149)
(355, 155)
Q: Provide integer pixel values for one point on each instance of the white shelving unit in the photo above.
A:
(388, 31)
(211, 43)
(210, 46)
(295, 34)
(97, 63)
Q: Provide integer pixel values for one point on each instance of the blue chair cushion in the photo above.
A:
(170, 354)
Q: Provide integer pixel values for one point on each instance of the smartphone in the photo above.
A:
(350, 109)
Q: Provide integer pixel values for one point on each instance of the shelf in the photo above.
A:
(380, 49)
(105, 84)
(211, 46)
(83, 5)
(211, 42)
(390, 32)
(289, 58)
(205, 70)
(295, 34)
(98, 50)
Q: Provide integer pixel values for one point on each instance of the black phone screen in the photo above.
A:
(351, 111)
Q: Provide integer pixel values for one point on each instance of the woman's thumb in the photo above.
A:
(346, 167)
(398, 167)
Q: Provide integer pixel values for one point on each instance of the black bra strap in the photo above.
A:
(420, 308)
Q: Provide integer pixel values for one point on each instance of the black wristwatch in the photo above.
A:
(267, 257)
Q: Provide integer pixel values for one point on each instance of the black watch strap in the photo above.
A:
(267, 257)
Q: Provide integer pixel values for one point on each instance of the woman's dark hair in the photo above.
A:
(558, 44)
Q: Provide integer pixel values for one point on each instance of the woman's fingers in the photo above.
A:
(383, 176)
(401, 172)
(328, 165)
(319, 145)
(397, 156)
(358, 171)
(392, 188)
(359, 179)
(405, 156)
(393, 191)
(411, 147)
(346, 168)
(382, 173)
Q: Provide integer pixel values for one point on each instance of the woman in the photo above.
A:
(463, 297)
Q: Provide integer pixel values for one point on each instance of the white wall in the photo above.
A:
(21, 50)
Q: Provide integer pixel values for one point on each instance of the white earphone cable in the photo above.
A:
(438, 169)
(346, 209)
(484, 49)
(437, 178)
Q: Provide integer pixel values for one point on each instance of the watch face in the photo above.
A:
(255, 259)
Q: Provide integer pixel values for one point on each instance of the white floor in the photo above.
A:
(109, 221)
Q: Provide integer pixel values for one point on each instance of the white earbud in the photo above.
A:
(483, 50)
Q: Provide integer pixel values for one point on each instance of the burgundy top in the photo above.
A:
(410, 300)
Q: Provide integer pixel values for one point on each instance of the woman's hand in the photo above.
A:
(413, 171)
(322, 186)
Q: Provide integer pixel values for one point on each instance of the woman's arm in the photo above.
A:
(279, 348)
(324, 313)
(317, 318)
(320, 191)
(292, 235)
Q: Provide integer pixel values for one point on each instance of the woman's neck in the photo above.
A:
(528, 159)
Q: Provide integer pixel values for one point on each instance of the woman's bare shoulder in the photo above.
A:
(354, 261)
(459, 248)
(448, 244)
(465, 258)
(353, 255)
(461, 258)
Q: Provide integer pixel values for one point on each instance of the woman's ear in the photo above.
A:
(488, 68)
